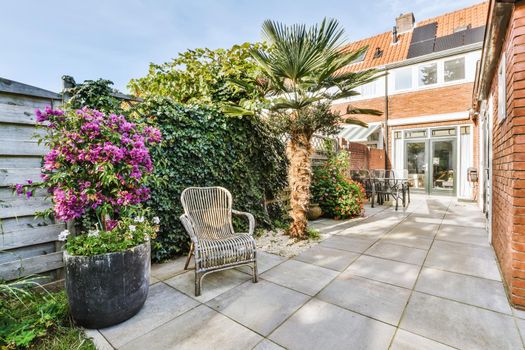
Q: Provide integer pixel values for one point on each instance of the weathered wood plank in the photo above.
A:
(24, 267)
(23, 223)
(33, 102)
(26, 252)
(21, 148)
(15, 87)
(19, 132)
(17, 114)
(11, 176)
(20, 162)
(30, 236)
(19, 206)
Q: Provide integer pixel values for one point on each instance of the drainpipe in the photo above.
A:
(386, 120)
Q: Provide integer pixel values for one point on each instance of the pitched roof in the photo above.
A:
(474, 16)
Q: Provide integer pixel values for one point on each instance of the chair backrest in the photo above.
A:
(210, 211)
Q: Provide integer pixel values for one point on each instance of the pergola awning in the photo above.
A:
(358, 133)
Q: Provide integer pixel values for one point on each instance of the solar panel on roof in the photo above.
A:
(474, 35)
(449, 41)
(421, 48)
(426, 32)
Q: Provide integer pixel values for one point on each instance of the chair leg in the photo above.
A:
(255, 277)
(198, 280)
(189, 257)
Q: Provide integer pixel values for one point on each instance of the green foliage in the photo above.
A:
(312, 233)
(203, 147)
(127, 234)
(337, 195)
(204, 76)
(95, 94)
(37, 319)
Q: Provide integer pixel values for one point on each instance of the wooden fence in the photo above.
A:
(27, 245)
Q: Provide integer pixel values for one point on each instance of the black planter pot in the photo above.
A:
(107, 289)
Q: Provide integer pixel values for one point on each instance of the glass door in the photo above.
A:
(443, 166)
(416, 164)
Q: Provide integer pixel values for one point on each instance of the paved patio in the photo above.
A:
(423, 278)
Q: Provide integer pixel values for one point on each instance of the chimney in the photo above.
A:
(405, 22)
(394, 35)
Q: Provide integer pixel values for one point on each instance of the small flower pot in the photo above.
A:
(107, 289)
(314, 212)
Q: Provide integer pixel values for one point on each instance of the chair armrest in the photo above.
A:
(251, 220)
(186, 222)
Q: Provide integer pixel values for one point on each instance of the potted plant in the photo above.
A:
(96, 174)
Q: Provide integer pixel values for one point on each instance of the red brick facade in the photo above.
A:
(508, 164)
(361, 157)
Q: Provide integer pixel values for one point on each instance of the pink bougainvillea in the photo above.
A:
(96, 162)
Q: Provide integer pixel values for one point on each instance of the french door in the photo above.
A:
(431, 165)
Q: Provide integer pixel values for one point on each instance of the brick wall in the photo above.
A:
(508, 164)
(359, 155)
(441, 100)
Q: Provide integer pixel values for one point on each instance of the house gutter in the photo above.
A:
(386, 145)
(498, 18)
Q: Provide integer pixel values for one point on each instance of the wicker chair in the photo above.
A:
(208, 220)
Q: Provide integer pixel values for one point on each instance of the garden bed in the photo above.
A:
(277, 242)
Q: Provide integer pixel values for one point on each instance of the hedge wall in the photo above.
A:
(203, 147)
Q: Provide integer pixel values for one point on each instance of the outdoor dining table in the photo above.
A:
(380, 185)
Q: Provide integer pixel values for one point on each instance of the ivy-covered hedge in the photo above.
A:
(203, 147)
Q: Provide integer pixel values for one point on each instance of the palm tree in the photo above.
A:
(303, 72)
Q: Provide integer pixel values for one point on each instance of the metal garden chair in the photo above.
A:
(207, 219)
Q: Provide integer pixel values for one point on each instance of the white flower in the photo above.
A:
(156, 220)
(63, 235)
(132, 228)
(93, 233)
(139, 219)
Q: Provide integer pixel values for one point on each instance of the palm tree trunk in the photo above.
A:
(299, 152)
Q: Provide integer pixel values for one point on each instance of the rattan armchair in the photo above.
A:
(215, 246)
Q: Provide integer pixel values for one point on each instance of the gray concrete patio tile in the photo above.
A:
(407, 239)
(200, 328)
(521, 327)
(416, 229)
(462, 234)
(467, 289)
(213, 284)
(518, 313)
(320, 325)
(379, 300)
(349, 243)
(397, 252)
(334, 259)
(265, 261)
(463, 258)
(153, 280)
(259, 306)
(388, 271)
(268, 345)
(464, 220)
(98, 339)
(302, 277)
(163, 304)
(169, 269)
(404, 340)
(459, 325)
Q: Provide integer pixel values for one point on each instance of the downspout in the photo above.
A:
(386, 119)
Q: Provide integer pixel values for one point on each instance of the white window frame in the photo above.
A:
(502, 89)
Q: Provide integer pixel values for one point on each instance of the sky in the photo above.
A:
(118, 39)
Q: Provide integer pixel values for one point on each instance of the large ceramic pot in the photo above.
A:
(107, 289)
(314, 211)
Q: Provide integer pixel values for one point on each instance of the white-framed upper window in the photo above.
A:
(403, 78)
(454, 69)
(502, 90)
(428, 74)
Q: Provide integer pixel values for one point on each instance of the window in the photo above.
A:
(454, 69)
(444, 132)
(428, 74)
(415, 134)
(403, 78)
(465, 130)
(397, 135)
(502, 90)
(368, 89)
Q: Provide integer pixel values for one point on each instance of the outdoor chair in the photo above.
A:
(207, 219)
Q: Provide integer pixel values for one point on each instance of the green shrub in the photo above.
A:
(37, 319)
(203, 147)
(338, 196)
